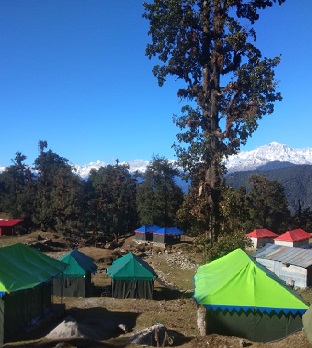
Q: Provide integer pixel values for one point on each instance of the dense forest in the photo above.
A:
(50, 196)
(295, 179)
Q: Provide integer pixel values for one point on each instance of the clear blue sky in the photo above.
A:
(74, 73)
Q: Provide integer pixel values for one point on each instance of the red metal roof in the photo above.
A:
(9, 222)
(262, 233)
(294, 235)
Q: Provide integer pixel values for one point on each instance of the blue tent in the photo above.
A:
(147, 228)
(168, 235)
(145, 232)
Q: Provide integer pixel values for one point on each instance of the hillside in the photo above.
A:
(100, 315)
(296, 180)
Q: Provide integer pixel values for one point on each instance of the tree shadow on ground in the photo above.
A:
(164, 293)
(64, 343)
(94, 324)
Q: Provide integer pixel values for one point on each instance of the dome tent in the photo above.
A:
(132, 277)
(242, 298)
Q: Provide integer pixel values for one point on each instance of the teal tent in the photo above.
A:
(242, 298)
(25, 288)
(132, 277)
(75, 281)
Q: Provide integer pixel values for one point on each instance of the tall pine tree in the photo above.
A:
(208, 44)
(158, 196)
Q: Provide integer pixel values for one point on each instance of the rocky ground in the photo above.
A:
(102, 321)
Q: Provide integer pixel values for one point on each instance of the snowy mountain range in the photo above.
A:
(263, 155)
(243, 161)
(136, 165)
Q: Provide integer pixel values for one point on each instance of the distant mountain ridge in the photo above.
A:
(291, 167)
(271, 156)
(278, 155)
(83, 171)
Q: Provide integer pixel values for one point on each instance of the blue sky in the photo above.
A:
(74, 73)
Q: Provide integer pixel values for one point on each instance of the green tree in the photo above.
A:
(111, 200)
(208, 44)
(18, 190)
(158, 196)
(67, 199)
(302, 219)
(267, 204)
(235, 217)
(51, 169)
(235, 210)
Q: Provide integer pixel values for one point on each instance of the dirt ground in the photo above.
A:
(100, 321)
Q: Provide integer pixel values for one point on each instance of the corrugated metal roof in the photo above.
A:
(287, 255)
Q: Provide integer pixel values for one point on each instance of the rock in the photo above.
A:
(64, 345)
(242, 343)
(156, 335)
(123, 328)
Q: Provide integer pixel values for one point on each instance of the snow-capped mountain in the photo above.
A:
(83, 171)
(273, 152)
(244, 160)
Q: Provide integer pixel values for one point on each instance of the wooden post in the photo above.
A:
(201, 320)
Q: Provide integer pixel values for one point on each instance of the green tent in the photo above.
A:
(25, 288)
(244, 299)
(75, 281)
(132, 277)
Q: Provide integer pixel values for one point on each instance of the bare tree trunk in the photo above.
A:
(210, 108)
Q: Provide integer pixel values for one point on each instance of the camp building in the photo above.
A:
(260, 237)
(8, 226)
(293, 238)
(293, 265)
